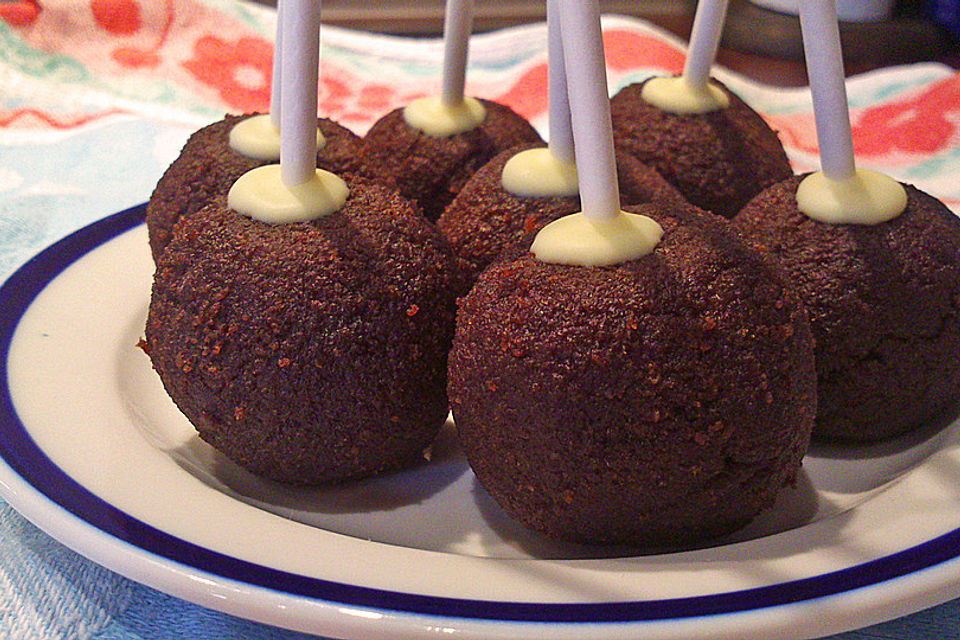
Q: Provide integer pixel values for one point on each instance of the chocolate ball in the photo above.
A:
(718, 160)
(661, 401)
(884, 304)
(207, 167)
(311, 352)
(485, 220)
(431, 170)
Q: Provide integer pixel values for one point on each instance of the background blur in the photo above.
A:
(761, 42)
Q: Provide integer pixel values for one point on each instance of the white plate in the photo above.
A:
(98, 456)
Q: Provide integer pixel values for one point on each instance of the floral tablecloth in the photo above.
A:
(97, 97)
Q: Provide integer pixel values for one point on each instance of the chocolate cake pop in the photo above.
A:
(301, 321)
(700, 136)
(208, 166)
(430, 148)
(312, 352)
(877, 264)
(431, 170)
(661, 401)
(485, 219)
(523, 189)
(645, 379)
(718, 160)
(884, 304)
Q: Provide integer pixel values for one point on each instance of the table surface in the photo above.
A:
(112, 77)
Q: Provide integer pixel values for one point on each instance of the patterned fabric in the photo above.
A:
(97, 97)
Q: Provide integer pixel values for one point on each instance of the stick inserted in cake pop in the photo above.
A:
(258, 136)
(550, 171)
(451, 112)
(601, 234)
(839, 193)
(457, 25)
(692, 92)
(298, 90)
(275, 75)
(295, 190)
(561, 130)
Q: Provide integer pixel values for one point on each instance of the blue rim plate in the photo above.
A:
(82, 458)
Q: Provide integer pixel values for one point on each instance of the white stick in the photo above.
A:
(561, 133)
(704, 40)
(457, 24)
(821, 43)
(298, 91)
(275, 82)
(589, 108)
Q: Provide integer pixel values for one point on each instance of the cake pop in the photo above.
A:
(877, 264)
(645, 379)
(883, 303)
(302, 320)
(486, 221)
(311, 352)
(430, 148)
(216, 155)
(700, 136)
(208, 166)
(523, 189)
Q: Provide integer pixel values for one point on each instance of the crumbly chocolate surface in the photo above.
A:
(717, 160)
(484, 220)
(207, 167)
(884, 304)
(430, 170)
(313, 352)
(661, 401)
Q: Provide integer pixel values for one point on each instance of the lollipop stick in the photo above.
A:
(821, 43)
(275, 81)
(298, 91)
(549, 172)
(704, 40)
(457, 23)
(589, 108)
(561, 134)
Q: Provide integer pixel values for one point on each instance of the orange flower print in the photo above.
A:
(19, 13)
(119, 17)
(240, 71)
(921, 125)
(627, 50)
(915, 125)
(352, 102)
(528, 96)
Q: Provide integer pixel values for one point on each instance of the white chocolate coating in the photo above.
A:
(440, 120)
(261, 195)
(256, 137)
(867, 197)
(677, 95)
(578, 240)
(538, 173)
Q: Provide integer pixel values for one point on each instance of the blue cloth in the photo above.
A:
(48, 592)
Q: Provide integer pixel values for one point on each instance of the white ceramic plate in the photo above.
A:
(96, 454)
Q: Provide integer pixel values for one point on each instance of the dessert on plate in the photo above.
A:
(884, 304)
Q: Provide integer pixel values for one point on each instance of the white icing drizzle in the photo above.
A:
(438, 119)
(579, 240)
(677, 95)
(261, 194)
(538, 173)
(867, 197)
(256, 137)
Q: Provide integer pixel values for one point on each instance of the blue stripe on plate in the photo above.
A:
(21, 453)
